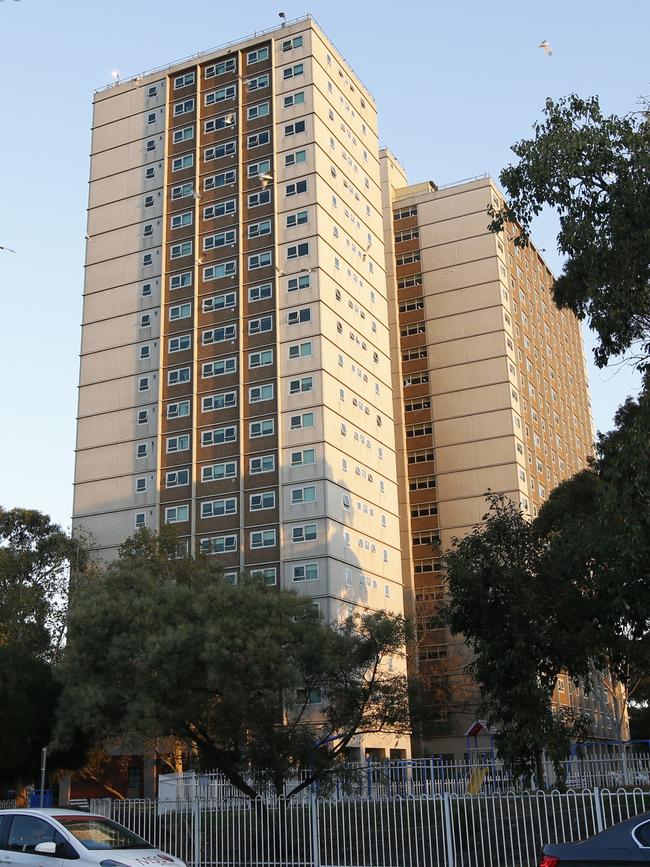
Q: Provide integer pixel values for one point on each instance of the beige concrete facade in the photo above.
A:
(493, 396)
(235, 374)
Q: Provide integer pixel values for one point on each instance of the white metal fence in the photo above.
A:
(495, 830)
(420, 778)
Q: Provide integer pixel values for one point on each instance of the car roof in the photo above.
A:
(585, 846)
(49, 811)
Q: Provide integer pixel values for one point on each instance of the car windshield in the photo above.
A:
(95, 832)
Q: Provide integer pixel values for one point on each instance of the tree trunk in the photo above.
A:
(539, 769)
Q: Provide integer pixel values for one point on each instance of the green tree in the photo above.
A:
(250, 676)
(35, 560)
(594, 171)
(500, 600)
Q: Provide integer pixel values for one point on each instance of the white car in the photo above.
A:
(55, 837)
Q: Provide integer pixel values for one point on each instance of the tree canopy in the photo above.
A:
(251, 677)
(500, 600)
(594, 171)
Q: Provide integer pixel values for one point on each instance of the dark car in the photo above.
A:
(625, 843)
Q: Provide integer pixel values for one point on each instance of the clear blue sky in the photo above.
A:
(456, 84)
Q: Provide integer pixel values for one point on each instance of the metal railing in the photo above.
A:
(497, 830)
(419, 778)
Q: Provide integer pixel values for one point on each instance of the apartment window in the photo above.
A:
(299, 422)
(178, 443)
(297, 250)
(261, 109)
(149, 173)
(258, 83)
(141, 450)
(255, 230)
(293, 71)
(184, 80)
(222, 301)
(258, 139)
(421, 483)
(182, 191)
(186, 133)
(147, 259)
(213, 182)
(180, 311)
(143, 416)
(301, 350)
(303, 495)
(219, 435)
(303, 458)
(408, 258)
(263, 428)
(223, 400)
(260, 260)
(219, 367)
(260, 359)
(145, 352)
(177, 478)
(222, 269)
(262, 501)
(179, 281)
(216, 508)
(177, 514)
(224, 121)
(262, 167)
(220, 544)
(152, 91)
(220, 95)
(304, 533)
(294, 99)
(405, 213)
(186, 161)
(296, 283)
(177, 251)
(148, 201)
(140, 520)
(178, 344)
(179, 409)
(410, 282)
(220, 209)
(295, 189)
(294, 128)
(180, 220)
(305, 572)
(220, 68)
(305, 383)
(141, 485)
(220, 239)
(300, 218)
(289, 44)
(260, 292)
(258, 326)
(151, 145)
(223, 149)
(178, 375)
(262, 464)
(268, 575)
(257, 55)
(257, 199)
(151, 118)
(258, 393)
(184, 107)
(263, 538)
(295, 158)
(215, 472)
(297, 317)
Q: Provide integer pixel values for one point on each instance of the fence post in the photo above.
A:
(449, 834)
(315, 831)
(598, 809)
(196, 816)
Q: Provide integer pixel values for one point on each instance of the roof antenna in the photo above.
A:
(283, 16)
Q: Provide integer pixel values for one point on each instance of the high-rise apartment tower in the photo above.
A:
(235, 366)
